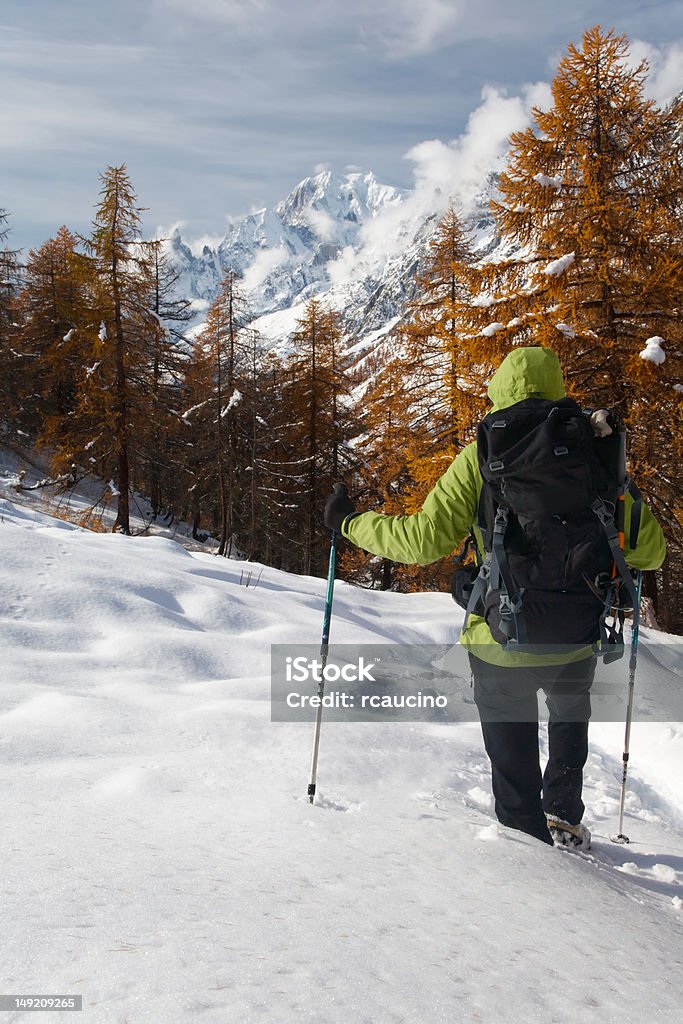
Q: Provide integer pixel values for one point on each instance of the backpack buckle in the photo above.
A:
(495, 467)
(509, 606)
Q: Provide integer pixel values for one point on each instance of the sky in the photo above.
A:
(218, 107)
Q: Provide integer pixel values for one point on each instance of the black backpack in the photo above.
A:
(550, 513)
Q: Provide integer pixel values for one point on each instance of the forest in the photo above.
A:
(96, 367)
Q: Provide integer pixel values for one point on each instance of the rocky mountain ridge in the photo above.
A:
(349, 238)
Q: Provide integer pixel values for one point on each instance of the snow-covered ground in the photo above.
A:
(159, 855)
(92, 502)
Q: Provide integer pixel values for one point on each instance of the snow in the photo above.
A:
(102, 333)
(654, 351)
(235, 399)
(492, 329)
(546, 181)
(185, 417)
(558, 266)
(160, 857)
(566, 329)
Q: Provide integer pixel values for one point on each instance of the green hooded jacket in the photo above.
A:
(449, 510)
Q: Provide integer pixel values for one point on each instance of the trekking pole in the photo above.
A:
(620, 837)
(324, 648)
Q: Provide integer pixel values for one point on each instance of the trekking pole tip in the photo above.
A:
(621, 839)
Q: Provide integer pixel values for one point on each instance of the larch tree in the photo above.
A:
(221, 360)
(56, 329)
(114, 388)
(432, 334)
(317, 391)
(382, 449)
(591, 200)
(159, 434)
(12, 363)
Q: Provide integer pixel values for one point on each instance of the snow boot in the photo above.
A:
(574, 837)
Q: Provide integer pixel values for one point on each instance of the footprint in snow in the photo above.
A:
(336, 805)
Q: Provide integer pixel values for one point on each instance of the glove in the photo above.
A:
(338, 508)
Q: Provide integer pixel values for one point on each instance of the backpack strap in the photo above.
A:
(479, 589)
(469, 546)
(636, 513)
(606, 518)
(512, 621)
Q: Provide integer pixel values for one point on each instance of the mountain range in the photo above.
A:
(349, 238)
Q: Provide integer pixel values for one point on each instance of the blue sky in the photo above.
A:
(220, 106)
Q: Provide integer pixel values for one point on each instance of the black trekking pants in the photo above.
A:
(507, 702)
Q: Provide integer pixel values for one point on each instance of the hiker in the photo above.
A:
(549, 806)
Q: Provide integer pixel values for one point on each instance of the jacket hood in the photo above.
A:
(526, 373)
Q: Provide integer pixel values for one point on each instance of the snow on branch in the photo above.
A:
(545, 181)
(653, 351)
(483, 300)
(235, 399)
(185, 417)
(492, 329)
(558, 266)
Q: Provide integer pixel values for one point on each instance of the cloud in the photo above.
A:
(232, 12)
(443, 173)
(665, 77)
(196, 245)
(51, 109)
(265, 261)
(405, 28)
(320, 222)
(164, 232)
(400, 28)
(57, 117)
(343, 270)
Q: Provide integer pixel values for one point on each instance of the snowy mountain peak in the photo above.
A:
(283, 254)
(348, 199)
(347, 236)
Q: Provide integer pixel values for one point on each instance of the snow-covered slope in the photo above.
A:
(160, 858)
(349, 238)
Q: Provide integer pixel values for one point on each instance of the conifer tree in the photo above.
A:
(432, 334)
(317, 392)
(277, 463)
(125, 334)
(434, 357)
(106, 427)
(159, 431)
(591, 196)
(382, 450)
(12, 365)
(221, 360)
(56, 327)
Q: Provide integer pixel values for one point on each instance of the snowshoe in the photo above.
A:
(574, 837)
